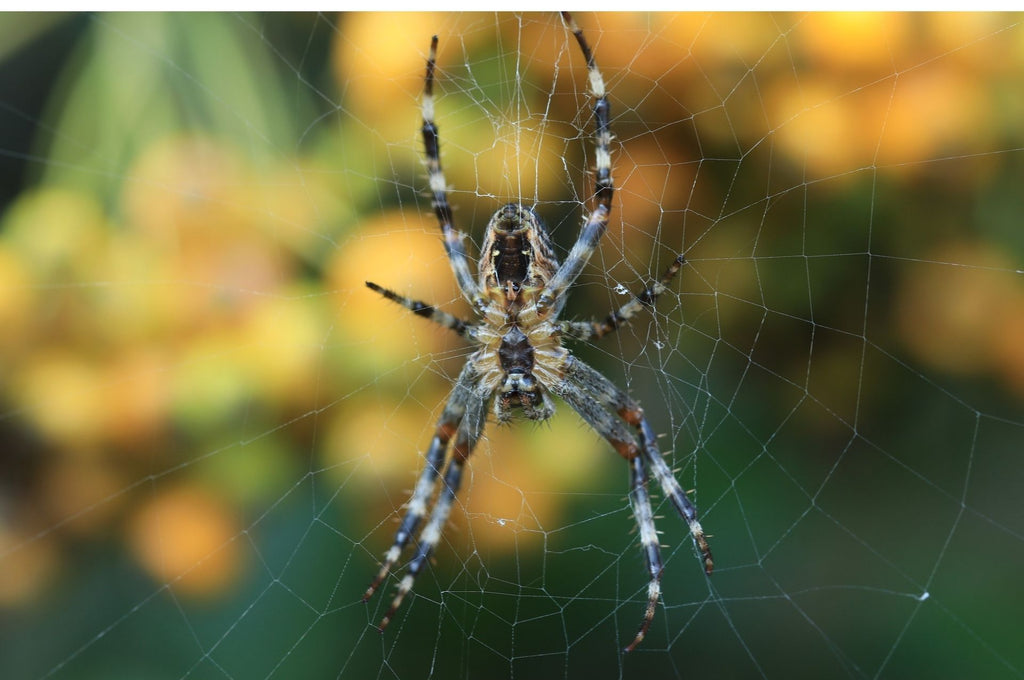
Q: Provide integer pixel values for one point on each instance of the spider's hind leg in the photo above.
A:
(463, 420)
(466, 438)
(448, 425)
(640, 500)
(609, 411)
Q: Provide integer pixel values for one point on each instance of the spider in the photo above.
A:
(519, 360)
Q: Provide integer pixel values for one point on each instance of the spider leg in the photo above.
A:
(640, 499)
(611, 397)
(599, 401)
(427, 311)
(675, 493)
(553, 297)
(465, 441)
(439, 189)
(586, 330)
(447, 425)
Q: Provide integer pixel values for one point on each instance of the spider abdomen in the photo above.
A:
(515, 353)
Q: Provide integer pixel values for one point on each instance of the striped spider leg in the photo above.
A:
(574, 330)
(586, 330)
(453, 239)
(552, 299)
(462, 418)
(518, 359)
(609, 410)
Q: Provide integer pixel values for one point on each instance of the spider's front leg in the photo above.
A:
(427, 311)
(587, 330)
(439, 191)
(463, 419)
(551, 300)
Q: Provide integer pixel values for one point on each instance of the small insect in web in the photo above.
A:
(519, 360)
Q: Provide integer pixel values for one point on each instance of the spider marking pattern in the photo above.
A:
(519, 360)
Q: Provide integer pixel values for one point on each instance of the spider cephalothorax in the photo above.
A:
(519, 360)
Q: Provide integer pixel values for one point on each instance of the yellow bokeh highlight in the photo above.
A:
(874, 42)
(964, 318)
(1008, 342)
(60, 392)
(713, 41)
(648, 186)
(295, 203)
(973, 39)
(184, 188)
(57, 233)
(18, 300)
(186, 537)
(525, 474)
(505, 162)
(191, 198)
(379, 61)
(819, 127)
(29, 567)
(280, 344)
(933, 112)
(130, 303)
(209, 382)
(387, 440)
(136, 396)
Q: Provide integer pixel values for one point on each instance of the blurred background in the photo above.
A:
(208, 425)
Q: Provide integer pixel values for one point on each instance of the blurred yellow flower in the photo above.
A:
(57, 233)
(186, 537)
(30, 565)
(378, 61)
(18, 301)
(931, 113)
(59, 391)
(1008, 342)
(872, 42)
(136, 399)
(525, 475)
(965, 316)
(281, 342)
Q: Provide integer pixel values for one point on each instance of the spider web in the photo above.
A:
(210, 425)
